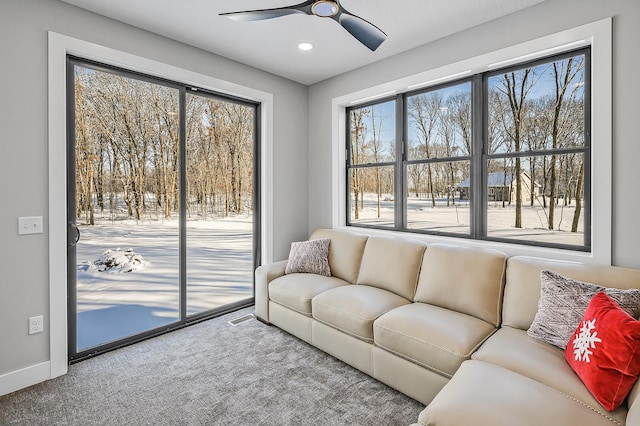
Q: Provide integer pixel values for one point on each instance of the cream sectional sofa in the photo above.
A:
(445, 325)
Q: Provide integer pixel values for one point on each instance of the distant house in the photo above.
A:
(501, 187)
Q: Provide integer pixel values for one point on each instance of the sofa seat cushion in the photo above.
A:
(513, 349)
(482, 393)
(431, 336)
(353, 308)
(295, 291)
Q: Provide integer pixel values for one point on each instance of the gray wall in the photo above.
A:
(23, 160)
(545, 18)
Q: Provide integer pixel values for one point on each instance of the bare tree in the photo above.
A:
(358, 135)
(376, 145)
(564, 73)
(516, 85)
(424, 110)
(128, 147)
(84, 151)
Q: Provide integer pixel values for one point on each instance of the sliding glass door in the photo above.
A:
(220, 217)
(161, 205)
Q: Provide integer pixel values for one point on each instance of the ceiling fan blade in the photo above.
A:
(366, 33)
(261, 14)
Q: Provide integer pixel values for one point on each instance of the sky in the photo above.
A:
(545, 85)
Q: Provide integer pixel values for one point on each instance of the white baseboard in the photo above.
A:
(25, 377)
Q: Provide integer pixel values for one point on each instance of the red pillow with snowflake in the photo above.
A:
(605, 351)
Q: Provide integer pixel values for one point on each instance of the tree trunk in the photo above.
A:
(379, 189)
(430, 182)
(578, 197)
(518, 194)
(552, 198)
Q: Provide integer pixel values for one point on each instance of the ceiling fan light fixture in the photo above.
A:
(325, 8)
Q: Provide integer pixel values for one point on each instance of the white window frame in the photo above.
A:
(598, 36)
(59, 47)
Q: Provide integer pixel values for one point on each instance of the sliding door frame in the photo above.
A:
(184, 319)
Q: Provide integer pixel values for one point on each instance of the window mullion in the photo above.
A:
(400, 186)
(182, 158)
(478, 198)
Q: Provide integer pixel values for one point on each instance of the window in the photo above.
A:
(438, 158)
(502, 155)
(372, 165)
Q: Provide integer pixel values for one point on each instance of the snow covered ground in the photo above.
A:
(113, 304)
(456, 219)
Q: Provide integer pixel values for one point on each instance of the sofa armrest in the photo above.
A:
(264, 275)
(633, 416)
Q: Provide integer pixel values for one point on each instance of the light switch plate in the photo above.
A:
(30, 225)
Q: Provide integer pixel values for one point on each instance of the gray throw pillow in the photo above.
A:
(310, 257)
(563, 302)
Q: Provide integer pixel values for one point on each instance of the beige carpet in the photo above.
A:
(212, 374)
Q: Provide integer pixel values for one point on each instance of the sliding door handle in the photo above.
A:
(73, 234)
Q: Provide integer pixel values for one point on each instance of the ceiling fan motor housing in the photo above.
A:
(325, 8)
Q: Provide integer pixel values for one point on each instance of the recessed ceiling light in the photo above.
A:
(305, 45)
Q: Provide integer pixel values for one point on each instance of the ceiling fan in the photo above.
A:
(364, 31)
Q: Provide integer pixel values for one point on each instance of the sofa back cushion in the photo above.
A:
(463, 279)
(522, 289)
(345, 252)
(392, 264)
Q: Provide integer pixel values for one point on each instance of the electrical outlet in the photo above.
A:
(36, 324)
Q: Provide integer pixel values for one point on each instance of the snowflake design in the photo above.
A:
(585, 341)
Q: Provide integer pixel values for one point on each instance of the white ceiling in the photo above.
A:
(271, 45)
